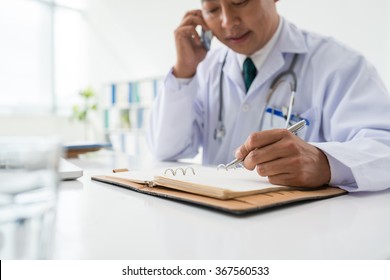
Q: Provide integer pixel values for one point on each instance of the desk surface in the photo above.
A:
(100, 221)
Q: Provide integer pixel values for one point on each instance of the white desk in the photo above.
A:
(100, 221)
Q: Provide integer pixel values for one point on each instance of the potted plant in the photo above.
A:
(82, 112)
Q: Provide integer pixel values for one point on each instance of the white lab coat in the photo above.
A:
(339, 93)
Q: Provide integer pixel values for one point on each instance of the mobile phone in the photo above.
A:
(205, 37)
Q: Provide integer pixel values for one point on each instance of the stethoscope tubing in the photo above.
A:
(219, 132)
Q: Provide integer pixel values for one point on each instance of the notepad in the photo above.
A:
(207, 181)
(236, 191)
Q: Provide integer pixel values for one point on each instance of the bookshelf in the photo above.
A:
(126, 110)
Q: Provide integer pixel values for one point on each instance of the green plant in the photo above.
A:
(82, 112)
(89, 105)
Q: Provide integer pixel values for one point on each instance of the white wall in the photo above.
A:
(132, 39)
(24, 125)
(361, 24)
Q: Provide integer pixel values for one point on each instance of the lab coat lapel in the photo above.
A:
(291, 40)
(273, 64)
(233, 72)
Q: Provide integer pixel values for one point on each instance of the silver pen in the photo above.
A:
(294, 129)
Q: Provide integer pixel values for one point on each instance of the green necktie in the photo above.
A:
(250, 72)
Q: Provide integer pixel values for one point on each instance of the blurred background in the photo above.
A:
(89, 69)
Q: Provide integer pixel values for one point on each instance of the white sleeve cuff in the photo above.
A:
(341, 174)
(175, 84)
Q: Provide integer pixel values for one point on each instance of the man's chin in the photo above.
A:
(241, 50)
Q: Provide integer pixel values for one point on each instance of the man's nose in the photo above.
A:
(229, 18)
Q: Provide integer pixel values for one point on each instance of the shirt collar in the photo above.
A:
(259, 57)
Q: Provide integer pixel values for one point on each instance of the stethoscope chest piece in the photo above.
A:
(219, 132)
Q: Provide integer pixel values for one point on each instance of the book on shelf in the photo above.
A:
(236, 190)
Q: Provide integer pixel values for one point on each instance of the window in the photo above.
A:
(70, 57)
(42, 54)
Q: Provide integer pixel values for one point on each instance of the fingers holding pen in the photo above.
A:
(260, 147)
(285, 159)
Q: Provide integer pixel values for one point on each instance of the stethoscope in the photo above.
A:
(220, 131)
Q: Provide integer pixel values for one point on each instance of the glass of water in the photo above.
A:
(28, 195)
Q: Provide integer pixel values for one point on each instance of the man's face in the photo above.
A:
(245, 26)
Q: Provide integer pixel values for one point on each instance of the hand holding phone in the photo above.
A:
(192, 44)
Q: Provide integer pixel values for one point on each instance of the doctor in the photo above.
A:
(209, 100)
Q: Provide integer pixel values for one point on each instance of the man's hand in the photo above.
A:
(189, 49)
(285, 159)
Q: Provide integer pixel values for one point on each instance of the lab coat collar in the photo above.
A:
(291, 40)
